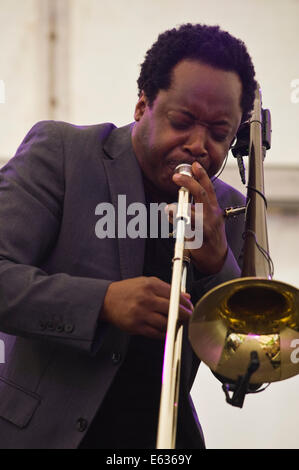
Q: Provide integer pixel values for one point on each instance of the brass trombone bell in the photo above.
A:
(244, 315)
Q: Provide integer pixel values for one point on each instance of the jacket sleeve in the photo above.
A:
(33, 303)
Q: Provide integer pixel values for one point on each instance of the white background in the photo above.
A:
(88, 75)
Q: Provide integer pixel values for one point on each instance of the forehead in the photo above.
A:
(204, 90)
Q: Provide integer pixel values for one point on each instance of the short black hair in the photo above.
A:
(207, 44)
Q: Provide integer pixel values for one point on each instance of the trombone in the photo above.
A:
(250, 320)
(254, 316)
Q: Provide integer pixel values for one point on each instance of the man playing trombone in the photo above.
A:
(84, 318)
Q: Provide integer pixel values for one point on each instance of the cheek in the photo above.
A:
(160, 147)
(217, 157)
(149, 148)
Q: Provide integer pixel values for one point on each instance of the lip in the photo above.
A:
(172, 164)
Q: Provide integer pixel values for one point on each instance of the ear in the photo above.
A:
(140, 107)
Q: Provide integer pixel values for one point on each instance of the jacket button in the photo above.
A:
(81, 424)
(69, 327)
(42, 325)
(59, 328)
(116, 357)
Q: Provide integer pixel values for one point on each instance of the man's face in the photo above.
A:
(195, 119)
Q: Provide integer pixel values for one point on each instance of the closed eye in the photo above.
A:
(219, 137)
(180, 125)
(180, 120)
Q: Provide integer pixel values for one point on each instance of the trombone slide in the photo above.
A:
(174, 337)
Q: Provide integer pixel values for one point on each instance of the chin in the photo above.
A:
(170, 191)
(163, 187)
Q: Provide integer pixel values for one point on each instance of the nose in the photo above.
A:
(196, 142)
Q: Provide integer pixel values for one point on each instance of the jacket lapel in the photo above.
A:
(125, 178)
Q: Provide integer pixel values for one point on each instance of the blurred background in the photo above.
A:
(78, 61)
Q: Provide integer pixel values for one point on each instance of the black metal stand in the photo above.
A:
(241, 148)
(242, 386)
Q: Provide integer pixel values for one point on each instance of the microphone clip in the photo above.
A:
(242, 386)
(241, 148)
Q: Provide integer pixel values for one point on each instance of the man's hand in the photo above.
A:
(210, 258)
(140, 306)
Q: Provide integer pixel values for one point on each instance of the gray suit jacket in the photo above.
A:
(60, 359)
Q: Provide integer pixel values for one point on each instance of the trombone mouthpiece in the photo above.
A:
(184, 169)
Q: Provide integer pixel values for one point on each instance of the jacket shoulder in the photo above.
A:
(69, 130)
(227, 195)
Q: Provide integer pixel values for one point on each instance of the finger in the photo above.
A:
(161, 304)
(157, 322)
(185, 313)
(186, 294)
(198, 192)
(150, 332)
(159, 288)
(200, 186)
(204, 180)
(186, 302)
